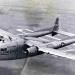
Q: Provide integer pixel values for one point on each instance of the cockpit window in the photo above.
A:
(3, 49)
(1, 38)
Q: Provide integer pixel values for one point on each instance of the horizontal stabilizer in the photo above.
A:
(24, 30)
(66, 33)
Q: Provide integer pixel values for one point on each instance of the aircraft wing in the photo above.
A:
(63, 53)
(58, 53)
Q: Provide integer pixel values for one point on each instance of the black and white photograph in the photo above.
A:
(37, 37)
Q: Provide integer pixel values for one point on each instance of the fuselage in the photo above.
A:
(15, 47)
(11, 46)
(12, 49)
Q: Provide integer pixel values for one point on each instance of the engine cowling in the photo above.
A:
(33, 50)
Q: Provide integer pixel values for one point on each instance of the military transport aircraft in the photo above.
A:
(31, 43)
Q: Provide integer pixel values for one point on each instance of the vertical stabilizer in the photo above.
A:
(56, 27)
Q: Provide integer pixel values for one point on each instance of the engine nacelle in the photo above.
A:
(60, 44)
(33, 50)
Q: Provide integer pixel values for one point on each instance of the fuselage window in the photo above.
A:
(10, 38)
